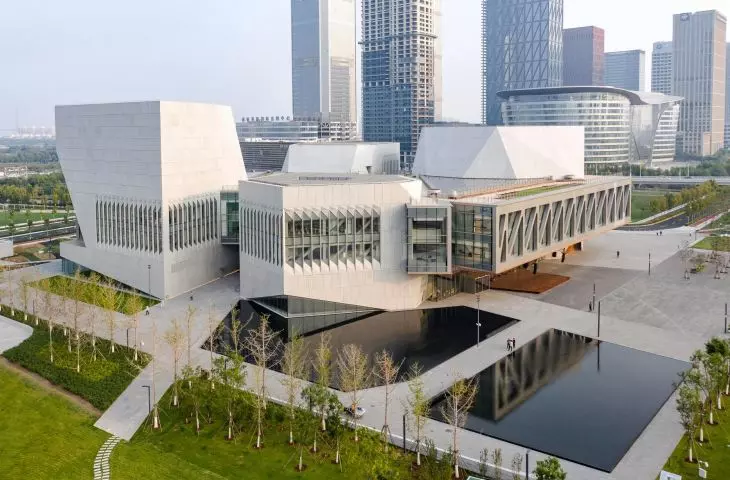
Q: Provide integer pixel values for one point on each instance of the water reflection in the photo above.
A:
(572, 397)
(429, 336)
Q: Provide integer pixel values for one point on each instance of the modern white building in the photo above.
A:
(620, 125)
(661, 68)
(323, 42)
(145, 181)
(343, 157)
(164, 205)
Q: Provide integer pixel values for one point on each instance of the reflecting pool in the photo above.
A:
(572, 397)
(428, 336)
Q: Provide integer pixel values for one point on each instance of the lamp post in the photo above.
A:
(527, 464)
(128, 336)
(149, 279)
(478, 324)
(149, 398)
(649, 263)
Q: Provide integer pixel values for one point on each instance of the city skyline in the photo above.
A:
(239, 54)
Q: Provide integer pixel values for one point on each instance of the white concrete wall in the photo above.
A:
(150, 153)
(384, 284)
(341, 157)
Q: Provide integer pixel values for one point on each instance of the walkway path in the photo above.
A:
(102, 470)
(12, 333)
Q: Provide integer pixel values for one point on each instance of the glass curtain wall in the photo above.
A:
(428, 239)
(471, 231)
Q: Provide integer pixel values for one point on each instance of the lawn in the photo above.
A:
(176, 451)
(91, 295)
(716, 451)
(535, 191)
(42, 435)
(21, 218)
(100, 382)
(723, 245)
(640, 200)
(722, 222)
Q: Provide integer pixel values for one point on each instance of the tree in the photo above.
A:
(689, 409)
(28, 219)
(322, 364)
(49, 308)
(263, 345)
(93, 296)
(76, 289)
(354, 376)
(417, 405)
(47, 221)
(722, 347)
(386, 370)
(549, 469)
(196, 392)
(175, 339)
(134, 306)
(516, 467)
(109, 299)
(213, 328)
(293, 366)
(230, 372)
(497, 462)
(25, 296)
(189, 316)
(155, 410)
(459, 399)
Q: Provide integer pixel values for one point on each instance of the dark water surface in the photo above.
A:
(428, 336)
(572, 397)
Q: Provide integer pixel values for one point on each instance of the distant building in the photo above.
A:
(262, 156)
(583, 56)
(620, 125)
(308, 129)
(698, 75)
(661, 68)
(522, 47)
(401, 71)
(343, 157)
(626, 70)
(727, 97)
(324, 42)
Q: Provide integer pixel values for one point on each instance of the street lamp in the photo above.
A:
(478, 324)
(149, 279)
(527, 464)
(149, 398)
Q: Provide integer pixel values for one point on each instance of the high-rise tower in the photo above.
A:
(401, 71)
(626, 70)
(324, 81)
(698, 75)
(522, 47)
(583, 53)
(661, 68)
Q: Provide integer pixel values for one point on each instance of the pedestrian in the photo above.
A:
(514, 344)
(509, 345)
(590, 306)
(147, 310)
(618, 253)
(191, 298)
(661, 233)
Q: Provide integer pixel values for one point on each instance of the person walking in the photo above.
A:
(147, 310)
(618, 253)
(509, 344)
(514, 344)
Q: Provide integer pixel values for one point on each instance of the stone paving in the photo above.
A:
(12, 333)
(102, 469)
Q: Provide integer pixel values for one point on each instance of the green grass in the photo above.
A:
(723, 245)
(43, 435)
(21, 218)
(176, 451)
(640, 200)
(722, 222)
(92, 294)
(716, 451)
(100, 382)
(535, 191)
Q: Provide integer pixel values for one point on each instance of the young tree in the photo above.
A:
(263, 345)
(386, 371)
(134, 306)
(722, 347)
(175, 339)
(688, 407)
(76, 288)
(417, 406)
(189, 317)
(484, 462)
(109, 300)
(155, 410)
(516, 466)
(459, 399)
(230, 371)
(293, 366)
(213, 328)
(322, 364)
(497, 462)
(352, 364)
(49, 308)
(92, 294)
(549, 469)
(196, 393)
(25, 296)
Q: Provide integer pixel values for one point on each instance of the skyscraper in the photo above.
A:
(661, 68)
(324, 82)
(626, 70)
(583, 56)
(698, 75)
(727, 97)
(401, 71)
(522, 47)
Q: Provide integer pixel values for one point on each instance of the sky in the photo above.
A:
(237, 52)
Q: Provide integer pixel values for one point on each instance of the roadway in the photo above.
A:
(678, 180)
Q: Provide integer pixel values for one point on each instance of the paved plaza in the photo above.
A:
(661, 314)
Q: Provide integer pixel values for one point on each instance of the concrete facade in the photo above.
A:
(355, 265)
(145, 180)
(350, 157)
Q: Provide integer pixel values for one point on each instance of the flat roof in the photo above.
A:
(294, 179)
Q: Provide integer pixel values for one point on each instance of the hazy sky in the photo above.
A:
(236, 52)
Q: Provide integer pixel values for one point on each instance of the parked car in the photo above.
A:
(357, 412)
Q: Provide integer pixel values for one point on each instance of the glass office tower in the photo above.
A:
(522, 47)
